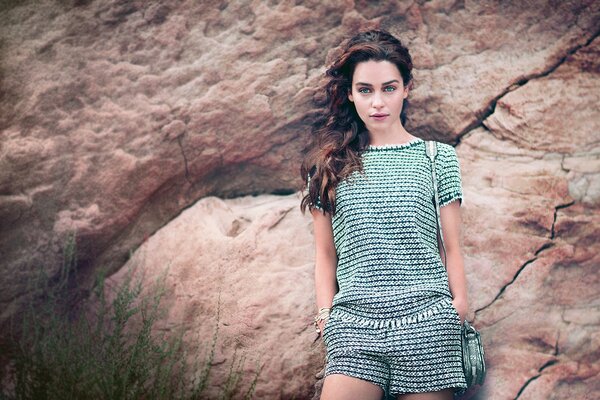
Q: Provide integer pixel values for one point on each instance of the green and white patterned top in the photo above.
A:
(389, 269)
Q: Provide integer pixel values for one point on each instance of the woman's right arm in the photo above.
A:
(325, 260)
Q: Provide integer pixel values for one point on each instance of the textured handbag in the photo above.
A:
(472, 347)
(473, 360)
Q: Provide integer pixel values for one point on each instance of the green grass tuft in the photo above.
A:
(110, 349)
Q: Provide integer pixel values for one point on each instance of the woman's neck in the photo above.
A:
(392, 136)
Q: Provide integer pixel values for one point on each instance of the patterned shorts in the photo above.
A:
(423, 355)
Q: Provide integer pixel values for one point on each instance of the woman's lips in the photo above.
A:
(379, 117)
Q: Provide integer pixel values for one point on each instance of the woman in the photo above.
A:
(389, 311)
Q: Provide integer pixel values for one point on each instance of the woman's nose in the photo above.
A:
(376, 101)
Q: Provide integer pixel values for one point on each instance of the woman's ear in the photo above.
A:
(408, 88)
(350, 96)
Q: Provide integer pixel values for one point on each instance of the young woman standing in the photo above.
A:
(389, 311)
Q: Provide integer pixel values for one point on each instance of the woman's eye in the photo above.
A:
(389, 88)
(363, 90)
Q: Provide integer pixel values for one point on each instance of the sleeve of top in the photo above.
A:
(448, 175)
(317, 205)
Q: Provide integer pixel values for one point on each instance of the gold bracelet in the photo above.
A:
(322, 315)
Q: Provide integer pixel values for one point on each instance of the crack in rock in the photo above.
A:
(521, 268)
(533, 378)
(543, 247)
(487, 110)
(185, 161)
(527, 382)
(558, 207)
(547, 364)
(282, 214)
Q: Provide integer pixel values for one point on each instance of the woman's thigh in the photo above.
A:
(342, 387)
(446, 394)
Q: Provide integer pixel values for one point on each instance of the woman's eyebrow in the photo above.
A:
(383, 84)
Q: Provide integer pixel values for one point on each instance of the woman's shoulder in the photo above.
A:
(446, 151)
(445, 148)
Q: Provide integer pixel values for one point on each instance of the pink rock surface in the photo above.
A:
(254, 254)
(118, 116)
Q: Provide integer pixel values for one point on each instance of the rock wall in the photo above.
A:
(252, 258)
(116, 116)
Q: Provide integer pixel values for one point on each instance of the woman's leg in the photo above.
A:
(446, 394)
(343, 387)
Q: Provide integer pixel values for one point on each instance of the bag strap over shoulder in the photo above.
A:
(472, 346)
(431, 150)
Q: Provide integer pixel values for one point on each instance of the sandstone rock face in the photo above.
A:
(534, 171)
(255, 255)
(118, 115)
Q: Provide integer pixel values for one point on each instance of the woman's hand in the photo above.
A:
(462, 308)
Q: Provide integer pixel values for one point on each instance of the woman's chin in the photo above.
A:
(379, 126)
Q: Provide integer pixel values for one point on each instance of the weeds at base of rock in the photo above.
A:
(108, 351)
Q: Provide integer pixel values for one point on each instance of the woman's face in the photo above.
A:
(377, 93)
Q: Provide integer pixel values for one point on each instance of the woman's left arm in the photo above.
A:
(451, 220)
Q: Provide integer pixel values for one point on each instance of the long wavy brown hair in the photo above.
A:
(339, 136)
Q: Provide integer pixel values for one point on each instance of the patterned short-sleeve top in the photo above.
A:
(385, 232)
